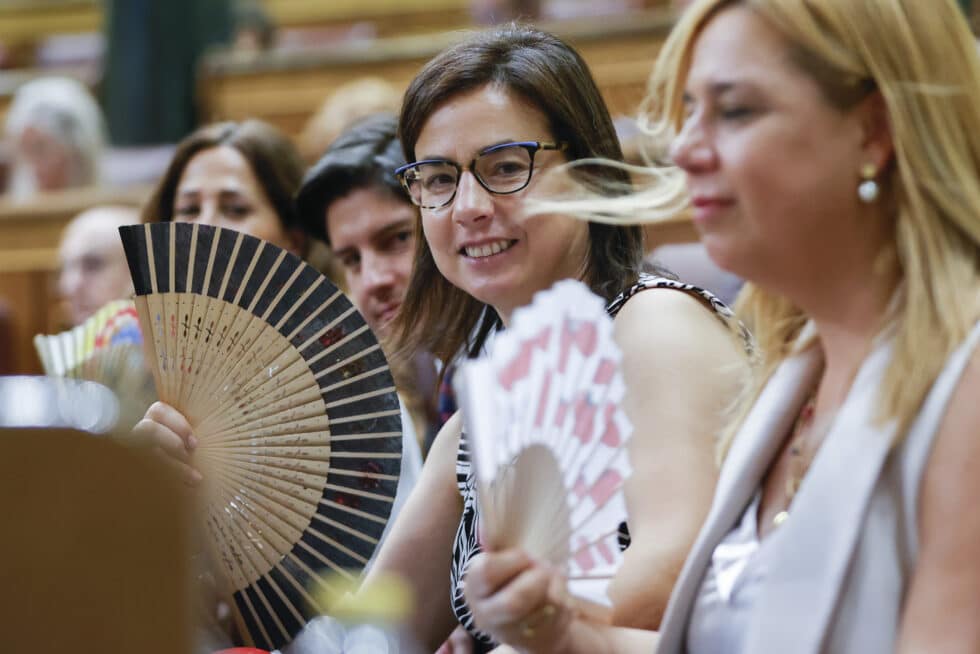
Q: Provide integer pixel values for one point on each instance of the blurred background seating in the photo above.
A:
(160, 69)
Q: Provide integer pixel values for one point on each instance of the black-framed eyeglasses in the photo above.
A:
(501, 169)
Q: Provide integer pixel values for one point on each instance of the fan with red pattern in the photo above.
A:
(547, 434)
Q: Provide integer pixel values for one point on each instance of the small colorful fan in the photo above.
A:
(106, 348)
(293, 405)
(548, 437)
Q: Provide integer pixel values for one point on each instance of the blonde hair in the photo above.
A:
(922, 59)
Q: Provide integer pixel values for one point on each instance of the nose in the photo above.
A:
(69, 281)
(691, 150)
(377, 273)
(472, 202)
(209, 215)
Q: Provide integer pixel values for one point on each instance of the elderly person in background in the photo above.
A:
(93, 265)
(348, 104)
(56, 135)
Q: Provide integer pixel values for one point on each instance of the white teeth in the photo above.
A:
(487, 250)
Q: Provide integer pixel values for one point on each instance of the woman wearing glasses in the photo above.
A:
(485, 124)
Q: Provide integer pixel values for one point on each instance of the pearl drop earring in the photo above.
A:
(868, 189)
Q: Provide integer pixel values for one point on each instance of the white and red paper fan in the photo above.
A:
(293, 405)
(547, 434)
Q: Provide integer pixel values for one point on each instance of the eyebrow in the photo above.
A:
(382, 233)
(719, 87)
(392, 227)
(480, 151)
(223, 193)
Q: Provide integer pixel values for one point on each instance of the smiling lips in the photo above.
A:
(487, 249)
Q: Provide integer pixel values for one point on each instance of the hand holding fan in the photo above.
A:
(290, 398)
(547, 436)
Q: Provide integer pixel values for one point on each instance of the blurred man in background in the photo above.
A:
(93, 264)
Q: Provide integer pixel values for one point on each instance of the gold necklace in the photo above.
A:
(798, 463)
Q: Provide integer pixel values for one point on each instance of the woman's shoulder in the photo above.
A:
(647, 281)
(659, 315)
(678, 330)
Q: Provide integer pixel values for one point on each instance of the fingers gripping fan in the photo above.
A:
(548, 437)
(292, 403)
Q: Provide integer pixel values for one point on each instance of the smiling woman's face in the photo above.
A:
(482, 242)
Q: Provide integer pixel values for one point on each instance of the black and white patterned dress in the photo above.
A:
(467, 544)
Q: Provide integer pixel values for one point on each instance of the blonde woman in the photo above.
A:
(831, 156)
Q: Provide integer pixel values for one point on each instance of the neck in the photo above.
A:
(848, 299)
(848, 319)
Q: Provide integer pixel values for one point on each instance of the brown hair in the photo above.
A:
(272, 156)
(546, 72)
(364, 156)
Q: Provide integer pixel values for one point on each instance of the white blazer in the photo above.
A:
(837, 577)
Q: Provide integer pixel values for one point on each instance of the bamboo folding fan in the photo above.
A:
(293, 405)
(547, 435)
(106, 348)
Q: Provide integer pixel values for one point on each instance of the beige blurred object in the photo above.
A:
(96, 548)
(348, 103)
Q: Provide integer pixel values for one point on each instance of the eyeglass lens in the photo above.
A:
(503, 170)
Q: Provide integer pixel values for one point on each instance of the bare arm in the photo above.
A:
(943, 602)
(682, 367)
(419, 547)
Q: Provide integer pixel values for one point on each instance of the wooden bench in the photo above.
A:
(26, 23)
(285, 89)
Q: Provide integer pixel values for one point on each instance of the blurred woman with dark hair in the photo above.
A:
(237, 175)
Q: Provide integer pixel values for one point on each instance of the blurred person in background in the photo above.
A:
(93, 268)
(254, 30)
(352, 201)
(237, 175)
(492, 12)
(347, 104)
(55, 133)
(243, 176)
